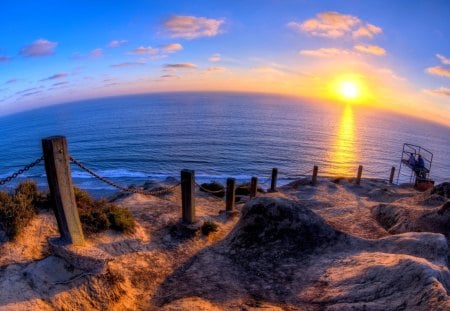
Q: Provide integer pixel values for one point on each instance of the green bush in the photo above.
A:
(100, 215)
(18, 209)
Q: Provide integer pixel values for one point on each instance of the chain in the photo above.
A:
(21, 171)
(306, 173)
(209, 191)
(120, 187)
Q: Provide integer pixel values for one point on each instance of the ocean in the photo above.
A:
(133, 139)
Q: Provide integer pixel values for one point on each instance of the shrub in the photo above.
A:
(209, 226)
(18, 209)
(100, 215)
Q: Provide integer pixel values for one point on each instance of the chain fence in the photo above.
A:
(164, 190)
(306, 173)
(21, 171)
(120, 187)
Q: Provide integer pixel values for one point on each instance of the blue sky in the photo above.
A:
(398, 52)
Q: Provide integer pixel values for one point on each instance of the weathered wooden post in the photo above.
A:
(253, 187)
(231, 194)
(188, 196)
(273, 183)
(57, 168)
(314, 175)
(391, 177)
(358, 177)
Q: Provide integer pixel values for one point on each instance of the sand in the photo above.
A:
(335, 246)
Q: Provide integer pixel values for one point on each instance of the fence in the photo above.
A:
(57, 167)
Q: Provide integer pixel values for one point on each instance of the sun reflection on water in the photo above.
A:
(343, 152)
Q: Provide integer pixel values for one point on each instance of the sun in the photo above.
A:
(349, 90)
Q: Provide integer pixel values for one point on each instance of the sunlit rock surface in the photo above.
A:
(335, 246)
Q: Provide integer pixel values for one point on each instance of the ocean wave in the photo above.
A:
(112, 173)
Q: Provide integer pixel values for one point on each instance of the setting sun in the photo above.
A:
(349, 90)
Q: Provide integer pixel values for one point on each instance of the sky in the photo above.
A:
(395, 53)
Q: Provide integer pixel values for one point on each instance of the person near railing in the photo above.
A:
(420, 167)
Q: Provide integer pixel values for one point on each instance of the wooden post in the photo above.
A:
(273, 183)
(391, 177)
(358, 177)
(188, 196)
(57, 167)
(253, 187)
(314, 175)
(231, 194)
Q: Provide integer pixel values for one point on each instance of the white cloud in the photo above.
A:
(443, 59)
(438, 71)
(325, 52)
(442, 91)
(191, 27)
(215, 58)
(40, 47)
(116, 43)
(335, 25)
(370, 49)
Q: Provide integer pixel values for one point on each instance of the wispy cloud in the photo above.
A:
(4, 59)
(370, 49)
(127, 64)
(215, 69)
(173, 47)
(443, 59)
(390, 73)
(144, 50)
(60, 83)
(10, 81)
(117, 43)
(438, 71)
(56, 76)
(325, 52)
(96, 53)
(215, 58)
(31, 93)
(181, 66)
(442, 91)
(170, 76)
(28, 90)
(40, 47)
(191, 27)
(336, 25)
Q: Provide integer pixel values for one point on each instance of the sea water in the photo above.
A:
(133, 139)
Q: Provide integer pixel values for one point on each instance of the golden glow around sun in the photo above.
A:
(349, 89)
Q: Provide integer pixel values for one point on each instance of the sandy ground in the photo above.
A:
(335, 246)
